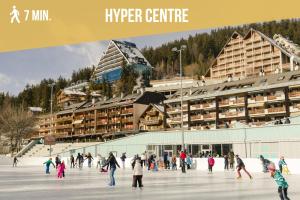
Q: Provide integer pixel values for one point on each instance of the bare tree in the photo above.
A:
(15, 124)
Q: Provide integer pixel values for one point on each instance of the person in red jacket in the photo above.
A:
(211, 163)
(182, 161)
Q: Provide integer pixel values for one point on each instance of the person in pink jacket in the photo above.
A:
(211, 163)
(61, 170)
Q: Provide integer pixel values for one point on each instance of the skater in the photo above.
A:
(72, 159)
(123, 158)
(211, 163)
(137, 173)
(281, 182)
(98, 161)
(61, 170)
(265, 163)
(79, 160)
(281, 163)
(182, 161)
(57, 161)
(189, 162)
(90, 158)
(231, 160)
(112, 163)
(241, 166)
(166, 161)
(15, 161)
(150, 161)
(226, 161)
(48, 163)
(174, 165)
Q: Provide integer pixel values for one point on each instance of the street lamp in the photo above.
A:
(51, 111)
(175, 49)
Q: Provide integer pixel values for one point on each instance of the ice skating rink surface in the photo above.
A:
(31, 183)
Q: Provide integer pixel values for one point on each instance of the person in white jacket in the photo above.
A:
(137, 173)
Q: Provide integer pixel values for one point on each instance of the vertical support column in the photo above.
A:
(287, 102)
(217, 112)
(189, 115)
(246, 108)
(165, 117)
(95, 121)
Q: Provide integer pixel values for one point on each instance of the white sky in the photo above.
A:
(30, 66)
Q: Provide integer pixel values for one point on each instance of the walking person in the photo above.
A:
(281, 182)
(123, 158)
(90, 159)
(72, 159)
(226, 161)
(137, 173)
(182, 161)
(48, 163)
(98, 161)
(15, 161)
(150, 161)
(112, 164)
(241, 166)
(211, 163)
(61, 170)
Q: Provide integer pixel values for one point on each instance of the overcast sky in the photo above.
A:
(29, 67)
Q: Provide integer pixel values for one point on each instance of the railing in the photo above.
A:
(101, 114)
(197, 117)
(63, 126)
(196, 106)
(256, 111)
(60, 119)
(152, 122)
(127, 120)
(127, 111)
(276, 109)
(294, 94)
(152, 113)
(209, 116)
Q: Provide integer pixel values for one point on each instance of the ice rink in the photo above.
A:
(31, 183)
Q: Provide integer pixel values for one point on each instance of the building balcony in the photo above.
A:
(102, 114)
(224, 103)
(295, 108)
(62, 119)
(152, 122)
(176, 120)
(196, 117)
(127, 120)
(152, 113)
(275, 97)
(257, 112)
(276, 110)
(209, 105)
(112, 113)
(127, 111)
(294, 95)
(209, 116)
(63, 126)
(196, 107)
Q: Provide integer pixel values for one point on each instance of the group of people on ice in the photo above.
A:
(151, 162)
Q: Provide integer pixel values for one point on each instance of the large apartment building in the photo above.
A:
(251, 101)
(118, 54)
(255, 54)
(102, 120)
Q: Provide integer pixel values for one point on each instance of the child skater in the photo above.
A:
(281, 182)
(211, 163)
(61, 170)
(48, 163)
(137, 173)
